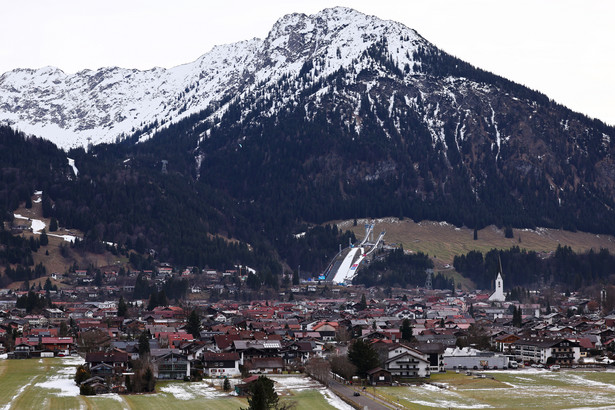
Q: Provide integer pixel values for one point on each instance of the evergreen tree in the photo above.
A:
(517, 320)
(262, 395)
(144, 344)
(81, 374)
(98, 278)
(362, 305)
(44, 240)
(406, 331)
(122, 308)
(53, 225)
(508, 232)
(227, 384)
(295, 278)
(194, 324)
(363, 355)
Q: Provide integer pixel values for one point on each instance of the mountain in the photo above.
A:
(106, 103)
(336, 115)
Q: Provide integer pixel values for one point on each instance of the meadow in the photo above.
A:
(48, 384)
(514, 389)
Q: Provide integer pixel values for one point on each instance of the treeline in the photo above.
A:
(400, 270)
(521, 268)
(314, 248)
(27, 164)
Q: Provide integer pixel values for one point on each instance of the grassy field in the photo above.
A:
(443, 241)
(510, 390)
(47, 384)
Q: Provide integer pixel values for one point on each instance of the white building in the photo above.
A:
(404, 361)
(468, 358)
(498, 295)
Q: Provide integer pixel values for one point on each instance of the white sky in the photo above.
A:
(563, 48)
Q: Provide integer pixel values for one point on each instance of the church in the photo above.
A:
(498, 294)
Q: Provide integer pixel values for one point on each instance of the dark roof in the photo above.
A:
(220, 356)
(376, 370)
(107, 357)
(265, 362)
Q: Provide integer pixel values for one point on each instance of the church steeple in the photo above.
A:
(498, 294)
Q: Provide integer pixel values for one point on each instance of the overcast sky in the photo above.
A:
(563, 48)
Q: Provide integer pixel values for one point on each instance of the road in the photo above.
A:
(365, 400)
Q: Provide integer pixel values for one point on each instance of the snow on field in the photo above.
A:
(67, 386)
(63, 378)
(73, 361)
(433, 396)
(286, 384)
(582, 381)
(16, 395)
(37, 226)
(67, 238)
(294, 383)
(189, 391)
(335, 401)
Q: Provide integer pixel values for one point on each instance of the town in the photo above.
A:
(365, 335)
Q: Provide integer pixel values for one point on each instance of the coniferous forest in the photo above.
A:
(242, 195)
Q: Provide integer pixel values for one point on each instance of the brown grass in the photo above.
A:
(442, 241)
(55, 262)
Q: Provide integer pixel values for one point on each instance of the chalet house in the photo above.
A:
(299, 352)
(22, 351)
(58, 345)
(102, 370)
(172, 366)
(256, 348)
(265, 365)
(505, 342)
(117, 359)
(434, 353)
(97, 383)
(379, 377)
(221, 364)
(406, 362)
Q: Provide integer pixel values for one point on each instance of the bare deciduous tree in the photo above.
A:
(319, 369)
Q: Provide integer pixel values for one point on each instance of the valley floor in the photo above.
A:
(48, 384)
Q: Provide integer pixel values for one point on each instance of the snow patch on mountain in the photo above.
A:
(105, 105)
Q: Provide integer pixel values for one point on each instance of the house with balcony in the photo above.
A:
(406, 362)
(539, 349)
(173, 366)
(221, 364)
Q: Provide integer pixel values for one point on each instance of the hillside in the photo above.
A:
(333, 116)
(442, 241)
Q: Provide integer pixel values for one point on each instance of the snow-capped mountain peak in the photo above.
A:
(102, 105)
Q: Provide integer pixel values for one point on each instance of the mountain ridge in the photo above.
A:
(111, 102)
